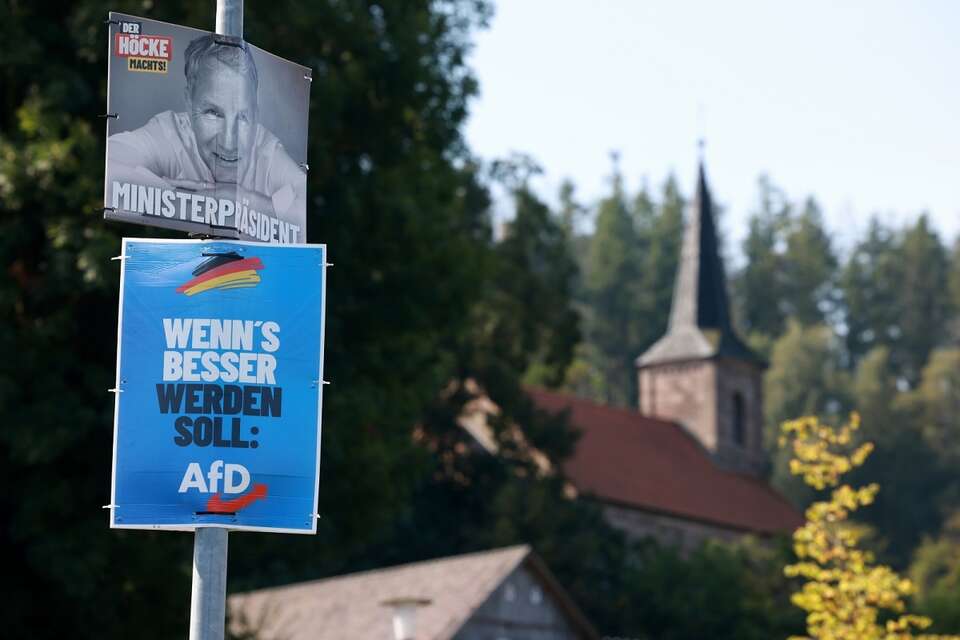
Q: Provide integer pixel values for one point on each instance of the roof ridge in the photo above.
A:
(397, 567)
(765, 486)
(456, 623)
(625, 410)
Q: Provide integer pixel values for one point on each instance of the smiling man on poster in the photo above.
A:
(205, 134)
(217, 146)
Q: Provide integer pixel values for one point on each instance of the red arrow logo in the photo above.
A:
(216, 505)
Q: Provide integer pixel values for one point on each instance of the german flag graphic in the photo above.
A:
(223, 271)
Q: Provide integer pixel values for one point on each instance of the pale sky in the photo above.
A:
(854, 102)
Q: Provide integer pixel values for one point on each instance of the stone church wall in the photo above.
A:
(700, 397)
(685, 535)
(741, 378)
(684, 393)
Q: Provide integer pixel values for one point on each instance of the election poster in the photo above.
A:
(205, 133)
(219, 385)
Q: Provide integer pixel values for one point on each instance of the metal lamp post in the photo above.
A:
(209, 593)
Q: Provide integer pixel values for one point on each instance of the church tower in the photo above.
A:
(701, 374)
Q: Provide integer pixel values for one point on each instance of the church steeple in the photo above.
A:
(701, 374)
(700, 325)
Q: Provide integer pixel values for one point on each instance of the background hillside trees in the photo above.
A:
(870, 326)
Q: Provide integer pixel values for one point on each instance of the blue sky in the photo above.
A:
(856, 103)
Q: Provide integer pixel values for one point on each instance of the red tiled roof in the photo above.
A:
(634, 460)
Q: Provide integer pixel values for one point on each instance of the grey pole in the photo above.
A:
(208, 599)
(209, 596)
(230, 18)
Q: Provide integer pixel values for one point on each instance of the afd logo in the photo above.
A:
(236, 480)
(223, 271)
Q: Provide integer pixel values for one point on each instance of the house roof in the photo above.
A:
(654, 465)
(351, 606)
(700, 325)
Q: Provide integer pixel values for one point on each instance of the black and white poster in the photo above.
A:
(205, 133)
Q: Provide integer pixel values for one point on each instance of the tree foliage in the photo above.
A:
(628, 266)
(394, 194)
(845, 593)
(790, 266)
(612, 288)
(910, 471)
(935, 571)
(896, 293)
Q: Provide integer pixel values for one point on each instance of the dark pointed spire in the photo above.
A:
(700, 325)
(700, 293)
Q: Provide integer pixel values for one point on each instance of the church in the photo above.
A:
(688, 464)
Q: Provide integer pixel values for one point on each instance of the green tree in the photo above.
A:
(661, 239)
(522, 324)
(809, 266)
(937, 404)
(953, 285)
(737, 590)
(628, 268)
(869, 283)
(790, 266)
(533, 325)
(893, 288)
(805, 378)
(644, 210)
(392, 192)
(875, 395)
(936, 560)
(611, 286)
(571, 211)
(903, 462)
(758, 286)
(923, 306)
(935, 570)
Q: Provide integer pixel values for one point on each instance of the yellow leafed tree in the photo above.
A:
(846, 595)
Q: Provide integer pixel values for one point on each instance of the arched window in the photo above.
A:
(739, 420)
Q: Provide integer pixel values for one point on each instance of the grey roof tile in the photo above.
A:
(351, 606)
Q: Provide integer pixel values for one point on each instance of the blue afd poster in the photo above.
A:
(219, 383)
